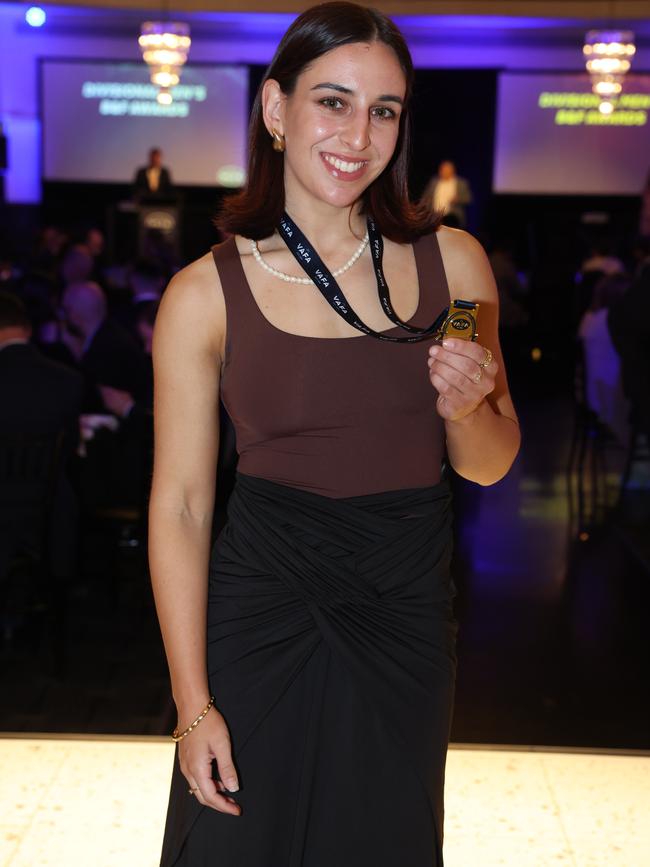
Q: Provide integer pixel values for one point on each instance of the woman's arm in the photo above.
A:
(187, 354)
(482, 430)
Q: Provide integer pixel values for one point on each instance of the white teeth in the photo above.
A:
(341, 165)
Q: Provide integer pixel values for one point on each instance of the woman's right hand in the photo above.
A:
(209, 740)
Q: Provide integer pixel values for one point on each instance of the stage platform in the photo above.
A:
(80, 801)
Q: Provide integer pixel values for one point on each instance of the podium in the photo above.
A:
(160, 219)
(133, 228)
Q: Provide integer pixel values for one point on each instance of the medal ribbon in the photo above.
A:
(309, 260)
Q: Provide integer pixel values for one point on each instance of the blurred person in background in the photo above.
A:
(629, 327)
(153, 182)
(602, 365)
(50, 247)
(114, 367)
(146, 281)
(37, 396)
(448, 193)
(77, 265)
(513, 315)
(102, 349)
(600, 262)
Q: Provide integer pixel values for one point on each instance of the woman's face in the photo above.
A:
(341, 123)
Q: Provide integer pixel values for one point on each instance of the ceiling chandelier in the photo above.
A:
(608, 54)
(165, 46)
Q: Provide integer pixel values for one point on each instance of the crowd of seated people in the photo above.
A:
(75, 356)
(75, 352)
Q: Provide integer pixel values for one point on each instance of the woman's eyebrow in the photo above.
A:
(328, 85)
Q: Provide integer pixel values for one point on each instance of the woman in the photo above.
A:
(311, 651)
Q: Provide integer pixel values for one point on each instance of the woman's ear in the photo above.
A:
(273, 101)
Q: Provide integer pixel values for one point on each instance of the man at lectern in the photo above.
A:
(153, 183)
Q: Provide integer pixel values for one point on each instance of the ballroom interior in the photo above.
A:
(549, 761)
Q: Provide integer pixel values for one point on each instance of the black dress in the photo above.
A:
(331, 635)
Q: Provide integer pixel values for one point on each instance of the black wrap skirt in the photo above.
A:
(331, 655)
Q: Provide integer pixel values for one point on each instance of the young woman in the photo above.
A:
(312, 649)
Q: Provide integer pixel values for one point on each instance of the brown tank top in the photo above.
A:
(338, 416)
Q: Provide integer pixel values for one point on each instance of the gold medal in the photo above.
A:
(461, 321)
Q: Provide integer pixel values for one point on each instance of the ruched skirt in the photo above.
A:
(331, 655)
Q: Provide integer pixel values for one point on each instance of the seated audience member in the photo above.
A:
(94, 241)
(77, 265)
(115, 369)
(104, 351)
(629, 327)
(146, 281)
(37, 396)
(50, 247)
(602, 367)
(122, 403)
(95, 244)
(136, 415)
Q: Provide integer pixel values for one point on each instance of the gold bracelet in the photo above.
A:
(176, 737)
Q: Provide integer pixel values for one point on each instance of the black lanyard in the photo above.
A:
(311, 263)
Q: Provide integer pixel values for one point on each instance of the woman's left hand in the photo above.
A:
(459, 372)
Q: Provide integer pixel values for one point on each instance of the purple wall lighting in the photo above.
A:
(28, 34)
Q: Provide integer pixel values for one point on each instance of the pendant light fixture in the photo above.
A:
(608, 55)
(165, 45)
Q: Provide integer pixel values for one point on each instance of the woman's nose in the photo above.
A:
(356, 133)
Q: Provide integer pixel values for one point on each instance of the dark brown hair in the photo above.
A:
(255, 212)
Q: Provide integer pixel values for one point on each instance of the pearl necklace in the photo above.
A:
(306, 280)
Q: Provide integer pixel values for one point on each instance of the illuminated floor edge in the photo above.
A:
(74, 801)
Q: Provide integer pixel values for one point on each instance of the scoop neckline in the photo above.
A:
(273, 327)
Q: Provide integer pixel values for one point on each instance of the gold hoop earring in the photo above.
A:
(278, 141)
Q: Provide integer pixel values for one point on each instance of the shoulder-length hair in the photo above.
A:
(255, 212)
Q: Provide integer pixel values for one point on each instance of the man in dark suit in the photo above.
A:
(153, 183)
(37, 396)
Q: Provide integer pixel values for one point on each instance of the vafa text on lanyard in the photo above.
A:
(462, 319)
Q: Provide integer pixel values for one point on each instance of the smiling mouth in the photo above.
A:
(343, 165)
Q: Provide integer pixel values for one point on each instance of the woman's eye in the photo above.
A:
(384, 113)
(331, 102)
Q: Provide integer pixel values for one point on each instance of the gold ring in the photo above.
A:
(191, 791)
(478, 376)
(488, 358)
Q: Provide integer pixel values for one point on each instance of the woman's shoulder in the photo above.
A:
(458, 242)
(197, 285)
(466, 263)
(456, 245)
(193, 301)
(197, 279)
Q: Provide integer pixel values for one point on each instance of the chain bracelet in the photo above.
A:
(176, 737)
